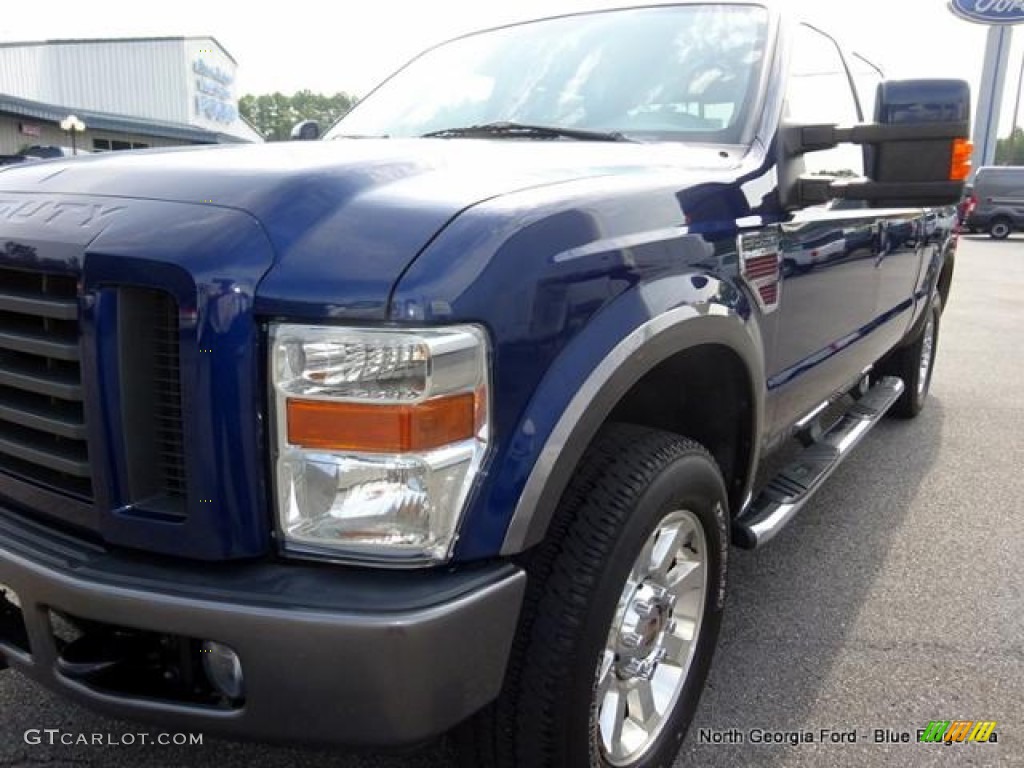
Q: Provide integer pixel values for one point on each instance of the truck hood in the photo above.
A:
(367, 206)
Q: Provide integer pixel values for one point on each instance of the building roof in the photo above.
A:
(90, 40)
(104, 121)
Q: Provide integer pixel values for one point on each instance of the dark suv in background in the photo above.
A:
(997, 205)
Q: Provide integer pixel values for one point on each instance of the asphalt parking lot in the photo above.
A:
(897, 598)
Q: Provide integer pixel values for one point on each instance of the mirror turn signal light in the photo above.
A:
(385, 428)
(960, 167)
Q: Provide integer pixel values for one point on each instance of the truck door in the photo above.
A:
(904, 240)
(828, 293)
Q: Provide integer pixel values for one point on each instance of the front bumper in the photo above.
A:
(330, 655)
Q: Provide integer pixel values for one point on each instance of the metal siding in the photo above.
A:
(20, 70)
(144, 79)
(148, 79)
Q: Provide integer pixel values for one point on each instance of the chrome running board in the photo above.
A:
(793, 487)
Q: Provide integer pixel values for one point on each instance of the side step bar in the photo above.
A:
(792, 488)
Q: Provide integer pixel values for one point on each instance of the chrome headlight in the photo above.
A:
(379, 435)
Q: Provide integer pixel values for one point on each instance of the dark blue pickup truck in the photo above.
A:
(448, 421)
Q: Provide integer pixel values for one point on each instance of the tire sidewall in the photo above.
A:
(921, 397)
(1000, 230)
(693, 483)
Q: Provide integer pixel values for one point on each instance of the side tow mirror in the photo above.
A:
(307, 130)
(918, 151)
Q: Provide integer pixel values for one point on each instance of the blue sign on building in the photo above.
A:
(989, 11)
(213, 97)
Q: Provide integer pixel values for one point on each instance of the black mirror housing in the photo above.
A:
(307, 130)
(919, 103)
(917, 152)
(907, 102)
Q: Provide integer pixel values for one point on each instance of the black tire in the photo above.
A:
(907, 364)
(628, 482)
(1000, 228)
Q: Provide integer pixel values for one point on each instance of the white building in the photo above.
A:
(130, 93)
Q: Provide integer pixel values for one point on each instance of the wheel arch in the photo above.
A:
(938, 280)
(946, 275)
(703, 393)
(679, 340)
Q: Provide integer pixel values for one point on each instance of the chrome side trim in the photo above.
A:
(634, 351)
(516, 536)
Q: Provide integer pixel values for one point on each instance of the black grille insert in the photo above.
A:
(149, 357)
(42, 422)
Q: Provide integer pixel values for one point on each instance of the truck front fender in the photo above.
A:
(583, 288)
(596, 393)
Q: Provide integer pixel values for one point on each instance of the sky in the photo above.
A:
(350, 46)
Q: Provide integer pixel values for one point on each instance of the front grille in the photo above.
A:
(168, 397)
(149, 355)
(42, 423)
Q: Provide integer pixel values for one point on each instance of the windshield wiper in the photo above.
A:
(509, 130)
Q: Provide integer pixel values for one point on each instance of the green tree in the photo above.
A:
(274, 114)
(1010, 151)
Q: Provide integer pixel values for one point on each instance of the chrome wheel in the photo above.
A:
(653, 639)
(927, 355)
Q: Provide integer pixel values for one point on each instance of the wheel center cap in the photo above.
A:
(646, 618)
(649, 629)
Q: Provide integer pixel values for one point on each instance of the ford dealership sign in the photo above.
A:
(990, 11)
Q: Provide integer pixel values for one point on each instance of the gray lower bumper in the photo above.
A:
(330, 655)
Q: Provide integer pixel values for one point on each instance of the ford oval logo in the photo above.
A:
(989, 11)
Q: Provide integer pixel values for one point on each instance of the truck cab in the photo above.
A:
(451, 419)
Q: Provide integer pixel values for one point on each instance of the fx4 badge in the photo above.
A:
(760, 267)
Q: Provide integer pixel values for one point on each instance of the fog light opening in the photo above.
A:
(13, 631)
(223, 669)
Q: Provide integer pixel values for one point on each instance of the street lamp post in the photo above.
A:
(71, 124)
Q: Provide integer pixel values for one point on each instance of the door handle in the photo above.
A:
(882, 241)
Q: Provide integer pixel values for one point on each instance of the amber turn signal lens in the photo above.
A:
(960, 168)
(370, 428)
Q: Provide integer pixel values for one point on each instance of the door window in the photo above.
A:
(820, 92)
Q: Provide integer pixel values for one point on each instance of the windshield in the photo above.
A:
(686, 72)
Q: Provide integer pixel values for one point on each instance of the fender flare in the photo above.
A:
(945, 256)
(649, 345)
